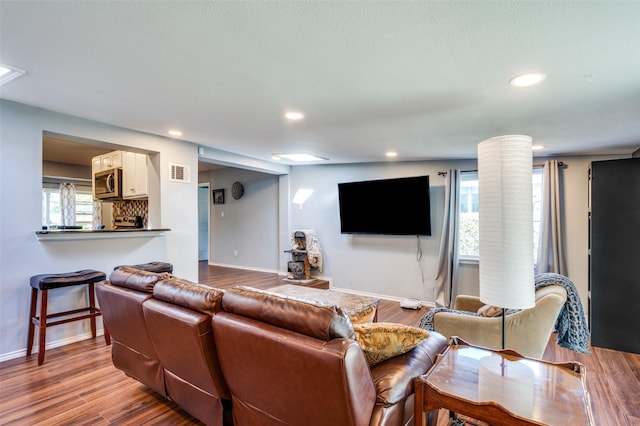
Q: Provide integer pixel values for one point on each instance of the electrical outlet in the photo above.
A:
(235, 253)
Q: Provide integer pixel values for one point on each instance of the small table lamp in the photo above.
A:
(505, 165)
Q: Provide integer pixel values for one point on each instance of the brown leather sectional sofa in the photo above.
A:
(279, 360)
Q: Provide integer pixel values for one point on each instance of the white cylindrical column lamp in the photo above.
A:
(505, 165)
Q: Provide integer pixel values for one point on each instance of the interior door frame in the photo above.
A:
(207, 186)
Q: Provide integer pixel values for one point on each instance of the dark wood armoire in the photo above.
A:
(614, 260)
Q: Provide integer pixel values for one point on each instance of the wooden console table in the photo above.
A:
(502, 388)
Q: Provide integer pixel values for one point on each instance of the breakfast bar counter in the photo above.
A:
(94, 234)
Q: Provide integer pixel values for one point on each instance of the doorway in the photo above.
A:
(203, 221)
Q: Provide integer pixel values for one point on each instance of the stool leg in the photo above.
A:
(32, 315)
(107, 336)
(43, 326)
(92, 306)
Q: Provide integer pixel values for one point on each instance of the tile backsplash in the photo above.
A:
(132, 208)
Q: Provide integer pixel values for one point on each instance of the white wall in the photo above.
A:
(244, 232)
(377, 264)
(22, 255)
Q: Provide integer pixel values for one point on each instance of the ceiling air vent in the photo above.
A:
(180, 173)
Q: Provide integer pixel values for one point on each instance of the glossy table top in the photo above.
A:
(543, 392)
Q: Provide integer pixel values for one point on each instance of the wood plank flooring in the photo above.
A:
(78, 385)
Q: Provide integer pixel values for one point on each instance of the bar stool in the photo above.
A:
(46, 282)
(156, 267)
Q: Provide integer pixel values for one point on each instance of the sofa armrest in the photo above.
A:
(468, 303)
(394, 377)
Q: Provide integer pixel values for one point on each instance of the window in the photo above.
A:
(469, 240)
(51, 215)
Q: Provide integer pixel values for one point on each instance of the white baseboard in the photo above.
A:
(50, 345)
(246, 268)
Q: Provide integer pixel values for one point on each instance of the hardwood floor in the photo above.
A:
(78, 385)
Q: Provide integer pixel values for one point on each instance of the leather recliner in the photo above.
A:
(162, 336)
(178, 318)
(292, 362)
(121, 301)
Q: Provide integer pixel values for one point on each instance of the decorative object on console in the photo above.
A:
(506, 222)
(305, 249)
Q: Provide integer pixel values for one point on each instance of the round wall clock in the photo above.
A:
(237, 190)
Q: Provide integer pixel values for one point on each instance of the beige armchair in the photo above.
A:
(527, 331)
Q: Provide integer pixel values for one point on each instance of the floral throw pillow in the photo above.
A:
(382, 340)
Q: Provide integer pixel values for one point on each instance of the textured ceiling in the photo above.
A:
(428, 79)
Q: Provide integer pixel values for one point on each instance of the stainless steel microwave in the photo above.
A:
(108, 184)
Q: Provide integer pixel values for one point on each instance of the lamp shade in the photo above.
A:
(506, 221)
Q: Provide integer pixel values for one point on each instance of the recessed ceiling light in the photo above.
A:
(175, 132)
(8, 73)
(293, 115)
(537, 147)
(299, 157)
(391, 154)
(275, 158)
(526, 80)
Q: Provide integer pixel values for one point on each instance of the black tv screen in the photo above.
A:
(389, 206)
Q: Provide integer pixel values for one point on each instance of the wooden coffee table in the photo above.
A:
(352, 304)
(502, 388)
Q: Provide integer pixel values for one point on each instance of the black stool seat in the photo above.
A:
(157, 267)
(41, 284)
(51, 281)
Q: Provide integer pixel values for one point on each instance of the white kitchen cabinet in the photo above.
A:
(111, 160)
(134, 175)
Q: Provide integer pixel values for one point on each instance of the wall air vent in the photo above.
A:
(180, 173)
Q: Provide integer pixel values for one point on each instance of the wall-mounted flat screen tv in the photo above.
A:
(390, 206)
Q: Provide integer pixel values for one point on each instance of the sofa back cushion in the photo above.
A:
(197, 297)
(136, 279)
(315, 319)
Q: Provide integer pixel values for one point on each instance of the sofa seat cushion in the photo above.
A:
(394, 378)
(316, 319)
(197, 297)
(382, 340)
(136, 279)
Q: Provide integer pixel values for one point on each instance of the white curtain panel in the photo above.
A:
(550, 245)
(68, 203)
(97, 214)
(446, 282)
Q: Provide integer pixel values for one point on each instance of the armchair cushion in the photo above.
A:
(380, 341)
(467, 303)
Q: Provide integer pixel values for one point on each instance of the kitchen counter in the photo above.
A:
(94, 234)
